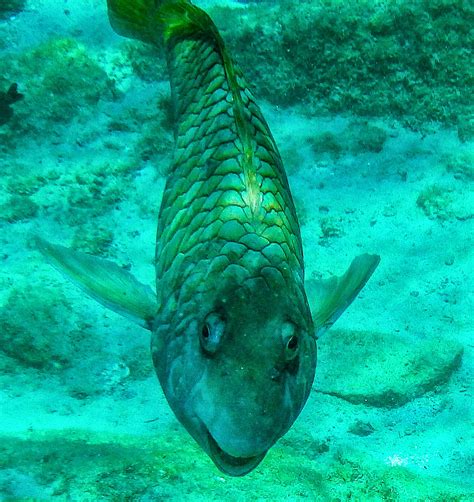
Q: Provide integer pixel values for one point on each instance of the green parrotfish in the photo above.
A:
(233, 324)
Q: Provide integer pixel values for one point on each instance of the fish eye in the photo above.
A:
(206, 331)
(291, 348)
(212, 331)
(290, 341)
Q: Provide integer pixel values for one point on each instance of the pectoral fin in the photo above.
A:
(329, 298)
(104, 281)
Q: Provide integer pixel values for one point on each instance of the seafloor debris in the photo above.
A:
(6, 100)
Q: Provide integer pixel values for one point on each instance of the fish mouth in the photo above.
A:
(228, 464)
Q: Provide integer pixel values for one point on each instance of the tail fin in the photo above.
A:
(154, 21)
(134, 18)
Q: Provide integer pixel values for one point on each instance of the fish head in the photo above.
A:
(238, 372)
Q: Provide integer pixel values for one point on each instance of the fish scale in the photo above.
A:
(205, 203)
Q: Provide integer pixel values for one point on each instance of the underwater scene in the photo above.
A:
(370, 105)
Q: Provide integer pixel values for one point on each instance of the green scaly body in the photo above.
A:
(227, 207)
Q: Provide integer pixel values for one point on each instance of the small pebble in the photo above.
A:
(449, 260)
(360, 428)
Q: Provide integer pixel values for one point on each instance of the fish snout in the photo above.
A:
(244, 423)
(246, 436)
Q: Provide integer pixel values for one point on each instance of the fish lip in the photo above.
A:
(228, 464)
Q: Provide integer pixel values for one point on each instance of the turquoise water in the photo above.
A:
(371, 106)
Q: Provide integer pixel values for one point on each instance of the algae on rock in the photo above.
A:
(440, 202)
(33, 328)
(18, 208)
(406, 60)
(62, 82)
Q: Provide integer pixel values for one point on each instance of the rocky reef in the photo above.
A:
(406, 60)
(11, 7)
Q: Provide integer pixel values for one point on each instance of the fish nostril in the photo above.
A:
(275, 375)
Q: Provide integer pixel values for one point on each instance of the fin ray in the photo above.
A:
(104, 281)
(329, 298)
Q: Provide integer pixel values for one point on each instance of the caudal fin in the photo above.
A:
(157, 21)
(134, 18)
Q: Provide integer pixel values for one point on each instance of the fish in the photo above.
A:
(7, 99)
(233, 324)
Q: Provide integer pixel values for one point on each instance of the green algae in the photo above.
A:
(326, 143)
(93, 238)
(91, 191)
(96, 190)
(18, 208)
(62, 83)
(21, 184)
(358, 137)
(435, 201)
(44, 344)
(447, 202)
(147, 62)
(461, 165)
(63, 72)
(466, 128)
(366, 137)
(156, 140)
(90, 466)
(33, 329)
(331, 227)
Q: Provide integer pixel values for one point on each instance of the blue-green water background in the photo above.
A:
(371, 106)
